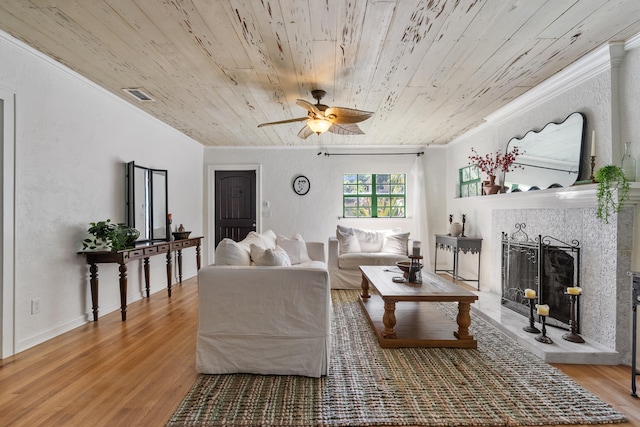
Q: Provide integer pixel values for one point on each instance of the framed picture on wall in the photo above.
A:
(470, 184)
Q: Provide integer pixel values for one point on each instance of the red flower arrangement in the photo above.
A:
(493, 163)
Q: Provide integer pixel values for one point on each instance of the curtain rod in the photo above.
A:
(371, 154)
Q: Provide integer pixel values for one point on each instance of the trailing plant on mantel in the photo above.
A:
(610, 180)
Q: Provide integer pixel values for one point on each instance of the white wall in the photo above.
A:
(72, 141)
(316, 214)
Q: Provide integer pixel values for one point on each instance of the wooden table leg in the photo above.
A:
(365, 287)
(180, 265)
(198, 262)
(94, 290)
(389, 319)
(464, 321)
(123, 291)
(146, 275)
(169, 273)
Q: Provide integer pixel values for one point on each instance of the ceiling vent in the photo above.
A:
(139, 94)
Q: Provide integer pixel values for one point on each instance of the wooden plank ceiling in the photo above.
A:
(429, 69)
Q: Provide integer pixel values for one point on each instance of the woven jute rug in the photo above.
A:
(499, 384)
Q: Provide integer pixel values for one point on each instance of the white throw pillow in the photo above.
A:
(270, 257)
(296, 248)
(253, 238)
(269, 238)
(347, 241)
(396, 244)
(369, 240)
(229, 252)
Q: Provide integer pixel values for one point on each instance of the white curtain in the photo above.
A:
(420, 210)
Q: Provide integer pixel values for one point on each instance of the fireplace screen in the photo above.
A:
(546, 265)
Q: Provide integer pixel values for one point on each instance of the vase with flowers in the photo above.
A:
(491, 164)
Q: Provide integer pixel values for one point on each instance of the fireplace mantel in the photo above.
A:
(577, 196)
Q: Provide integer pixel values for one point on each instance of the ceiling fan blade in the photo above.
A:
(305, 132)
(346, 129)
(308, 106)
(341, 115)
(299, 119)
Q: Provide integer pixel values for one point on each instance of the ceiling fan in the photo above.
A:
(321, 118)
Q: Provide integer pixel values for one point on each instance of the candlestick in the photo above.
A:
(543, 338)
(593, 143)
(531, 328)
(593, 168)
(573, 335)
(464, 220)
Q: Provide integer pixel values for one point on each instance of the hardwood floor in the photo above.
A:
(135, 373)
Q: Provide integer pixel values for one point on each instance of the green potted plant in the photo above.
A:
(109, 236)
(610, 178)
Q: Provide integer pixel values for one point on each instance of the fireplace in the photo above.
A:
(544, 264)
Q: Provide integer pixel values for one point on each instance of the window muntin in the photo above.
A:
(362, 199)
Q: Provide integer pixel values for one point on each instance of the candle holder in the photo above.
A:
(415, 270)
(531, 328)
(593, 167)
(573, 334)
(543, 338)
(464, 220)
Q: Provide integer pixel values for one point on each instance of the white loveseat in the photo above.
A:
(353, 247)
(265, 319)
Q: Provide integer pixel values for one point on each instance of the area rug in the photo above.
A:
(499, 384)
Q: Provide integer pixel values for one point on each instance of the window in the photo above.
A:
(374, 195)
(470, 183)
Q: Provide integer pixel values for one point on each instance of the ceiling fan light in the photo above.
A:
(319, 125)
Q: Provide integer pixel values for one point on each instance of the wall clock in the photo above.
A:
(301, 185)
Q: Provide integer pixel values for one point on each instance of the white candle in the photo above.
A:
(543, 310)
(574, 291)
(593, 142)
(529, 293)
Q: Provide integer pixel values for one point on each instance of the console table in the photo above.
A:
(455, 245)
(143, 252)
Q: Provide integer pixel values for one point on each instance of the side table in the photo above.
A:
(455, 245)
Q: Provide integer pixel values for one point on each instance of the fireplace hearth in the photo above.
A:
(544, 264)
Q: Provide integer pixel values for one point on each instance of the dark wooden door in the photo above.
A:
(235, 202)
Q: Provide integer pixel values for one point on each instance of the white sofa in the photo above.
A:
(353, 247)
(259, 319)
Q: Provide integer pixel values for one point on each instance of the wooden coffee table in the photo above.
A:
(413, 323)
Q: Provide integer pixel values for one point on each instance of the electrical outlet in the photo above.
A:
(35, 306)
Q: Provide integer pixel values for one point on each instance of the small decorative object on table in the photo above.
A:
(530, 294)
(464, 220)
(574, 295)
(405, 267)
(491, 164)
(181, 234)
(455, 228)
(415, 269)
(110, 236)
(543, 311)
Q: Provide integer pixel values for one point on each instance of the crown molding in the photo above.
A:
(577, 73)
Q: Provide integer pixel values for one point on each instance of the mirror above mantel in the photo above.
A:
(550, 158)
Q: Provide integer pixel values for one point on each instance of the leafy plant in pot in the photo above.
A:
(610, 180)
(110, 236)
